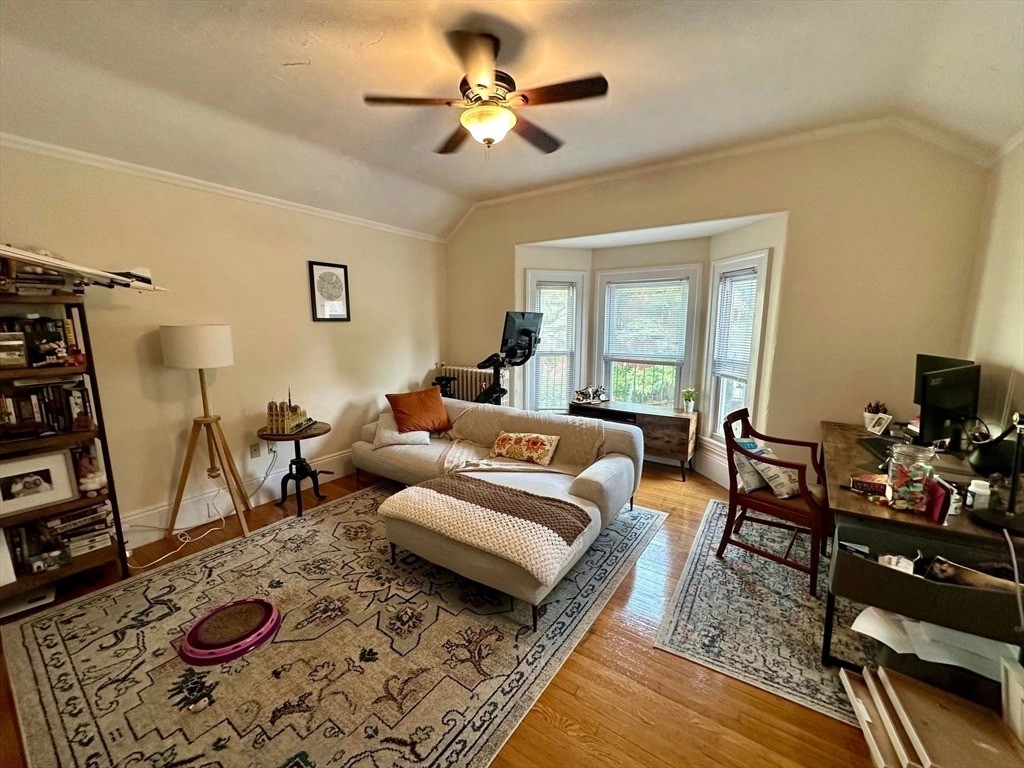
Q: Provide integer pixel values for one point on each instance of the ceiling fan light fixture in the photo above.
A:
(488, 122)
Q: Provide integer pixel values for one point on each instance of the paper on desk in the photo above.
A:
(934, 643)
(885, 627)
(941, 653)
(981, 646)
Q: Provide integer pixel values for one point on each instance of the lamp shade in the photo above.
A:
(196, 346)
(488, 122)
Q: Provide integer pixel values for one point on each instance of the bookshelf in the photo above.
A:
(52, 437)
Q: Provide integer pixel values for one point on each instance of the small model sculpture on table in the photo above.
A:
(286, 421)
(285, 418)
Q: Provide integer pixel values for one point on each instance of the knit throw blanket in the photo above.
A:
(534, 532)
(480, 425)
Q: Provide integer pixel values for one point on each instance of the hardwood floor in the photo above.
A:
(617, 701)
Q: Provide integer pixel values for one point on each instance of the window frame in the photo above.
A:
(760, 262)
(580, 279)
(692, 273)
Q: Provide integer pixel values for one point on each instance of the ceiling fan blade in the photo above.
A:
(411, 100)
(477, 51)
(536, 135)
(572, 90)
(453, 142)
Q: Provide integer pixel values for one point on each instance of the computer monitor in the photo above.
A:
(521, 332)
(947, 398)
(929, 363)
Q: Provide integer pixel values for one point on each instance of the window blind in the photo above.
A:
(646, 320)
(734, 323)
(554, 363)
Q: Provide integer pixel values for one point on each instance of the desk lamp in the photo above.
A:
(200, 347)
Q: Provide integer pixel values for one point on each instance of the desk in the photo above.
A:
(298, 468)
(982, 612)
(668, 432)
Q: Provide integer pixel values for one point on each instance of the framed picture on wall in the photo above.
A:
(328, 291)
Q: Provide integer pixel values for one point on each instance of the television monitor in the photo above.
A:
(519, 328)
(947, 398)
(929, 363)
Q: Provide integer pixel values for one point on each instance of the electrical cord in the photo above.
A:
(184, 537)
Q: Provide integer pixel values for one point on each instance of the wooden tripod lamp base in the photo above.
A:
(236, 489)
(199, 347)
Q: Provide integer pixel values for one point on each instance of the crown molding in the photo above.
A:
(23, 144)
(931, 135)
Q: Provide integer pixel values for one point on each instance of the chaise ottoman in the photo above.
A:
(487, 530)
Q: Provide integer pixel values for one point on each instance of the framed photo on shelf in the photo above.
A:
(328, 291)
(34, 481)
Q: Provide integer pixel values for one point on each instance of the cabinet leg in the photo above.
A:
(826, 639)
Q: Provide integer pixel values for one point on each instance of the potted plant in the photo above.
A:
(689, 398)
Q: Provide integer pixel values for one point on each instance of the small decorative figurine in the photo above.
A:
(284, 418)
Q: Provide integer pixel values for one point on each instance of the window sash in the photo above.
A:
(734, 323)
(553, 370)
(645, 321)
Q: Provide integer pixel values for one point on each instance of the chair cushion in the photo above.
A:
(793, 503)
(420, 411)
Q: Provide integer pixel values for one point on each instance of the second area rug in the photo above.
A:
(754, 619)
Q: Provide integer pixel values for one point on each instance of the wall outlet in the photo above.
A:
(271, 448)
(254, 450)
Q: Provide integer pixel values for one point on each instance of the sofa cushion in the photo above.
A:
(420, 411)
(388, 434)
(525, 446)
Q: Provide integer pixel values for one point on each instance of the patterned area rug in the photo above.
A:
(374, 665)
(754, 619)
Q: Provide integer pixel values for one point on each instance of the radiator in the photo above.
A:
(469, 380)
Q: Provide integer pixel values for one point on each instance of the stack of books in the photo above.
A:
(84, 531)
(43, 545)
(39, 407)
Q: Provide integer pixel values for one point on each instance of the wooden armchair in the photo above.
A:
(806, 512)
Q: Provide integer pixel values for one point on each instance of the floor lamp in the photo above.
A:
(200, 347)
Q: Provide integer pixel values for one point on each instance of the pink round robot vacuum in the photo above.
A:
(229, 631)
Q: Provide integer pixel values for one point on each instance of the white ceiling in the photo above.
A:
(267, 96)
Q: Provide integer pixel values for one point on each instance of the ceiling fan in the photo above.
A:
(490, 101)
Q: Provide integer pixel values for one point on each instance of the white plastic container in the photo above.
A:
(978, 495)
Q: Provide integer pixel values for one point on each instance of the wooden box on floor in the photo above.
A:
(907, 723)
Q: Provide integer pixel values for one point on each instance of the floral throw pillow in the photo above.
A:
(525, 446)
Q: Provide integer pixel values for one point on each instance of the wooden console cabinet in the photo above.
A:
(668, 432)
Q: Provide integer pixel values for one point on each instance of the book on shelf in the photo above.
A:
(41, 407)
(87, 516)
(84, 550)
(46, 341)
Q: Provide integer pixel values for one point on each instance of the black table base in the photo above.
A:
(298, 470)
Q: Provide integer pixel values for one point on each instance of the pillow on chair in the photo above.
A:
(783, 481)
(388, 434)
(420, 411)
(750, 478)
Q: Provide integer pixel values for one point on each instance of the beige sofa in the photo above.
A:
(600, 489)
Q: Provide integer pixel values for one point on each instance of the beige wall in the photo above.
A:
(881, 234)
(994, 336)
(225, 260)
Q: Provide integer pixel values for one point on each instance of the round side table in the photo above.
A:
(298, 468)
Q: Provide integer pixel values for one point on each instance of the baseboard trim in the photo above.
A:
(710, 460)
(146, 525)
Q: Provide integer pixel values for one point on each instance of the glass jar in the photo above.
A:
(910, 477)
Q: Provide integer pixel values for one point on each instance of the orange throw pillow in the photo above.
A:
(420, 411)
